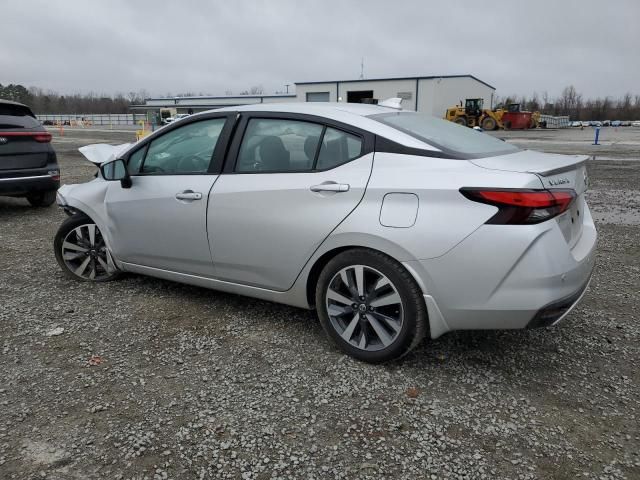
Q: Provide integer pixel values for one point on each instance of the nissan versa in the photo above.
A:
(392, 224)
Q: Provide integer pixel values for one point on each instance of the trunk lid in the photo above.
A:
(556, 172)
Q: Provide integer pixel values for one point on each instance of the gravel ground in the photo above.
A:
(148, 379)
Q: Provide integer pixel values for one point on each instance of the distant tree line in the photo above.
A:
(47, 101)
(573, 104)
(570, 102)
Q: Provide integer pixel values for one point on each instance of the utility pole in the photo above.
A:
(287, 85)
(361, 68)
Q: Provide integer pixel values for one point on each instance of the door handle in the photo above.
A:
(189, 195)
(331, 187)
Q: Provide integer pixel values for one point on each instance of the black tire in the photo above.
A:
(42, 199)
(461, 121)
(414, 325)
(70, 224)
(488, 123)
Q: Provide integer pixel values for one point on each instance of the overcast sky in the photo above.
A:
(215, 46)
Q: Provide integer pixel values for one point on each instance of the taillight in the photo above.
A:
(522, 207)
(42, 137)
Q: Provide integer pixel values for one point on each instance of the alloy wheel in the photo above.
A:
(364, 307)
(85, 253)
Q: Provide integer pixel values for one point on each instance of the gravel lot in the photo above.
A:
(155, 380)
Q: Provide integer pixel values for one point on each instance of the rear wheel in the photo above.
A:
(488, 123)
(461, 121)
(81, 251)
(370, 306)
(42, 199)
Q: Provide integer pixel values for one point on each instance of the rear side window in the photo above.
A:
(278, 145)
(17, 116)
(445, 135)
(338, 147)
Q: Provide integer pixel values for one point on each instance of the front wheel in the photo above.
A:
(370, 306)
(81, 251)
(461, 121)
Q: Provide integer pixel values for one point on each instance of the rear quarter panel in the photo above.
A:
(444, 217)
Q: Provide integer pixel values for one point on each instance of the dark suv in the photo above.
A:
(28, 165)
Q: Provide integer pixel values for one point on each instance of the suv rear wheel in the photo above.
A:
(42, 199)
(370, 306)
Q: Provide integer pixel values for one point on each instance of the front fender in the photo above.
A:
(89, 199)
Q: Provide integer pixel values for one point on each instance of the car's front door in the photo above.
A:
(160, 221)
(288, 182)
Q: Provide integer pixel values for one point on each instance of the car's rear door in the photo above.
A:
(160, 221)
(288, 181)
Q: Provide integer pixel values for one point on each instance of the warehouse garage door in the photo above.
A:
(317, 96)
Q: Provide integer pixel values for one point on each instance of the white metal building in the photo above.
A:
(432, 94)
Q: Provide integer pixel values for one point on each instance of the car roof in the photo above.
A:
(355, 114)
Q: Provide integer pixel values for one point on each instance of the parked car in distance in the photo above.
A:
(585, 123)
(175, 118)
(625, 123)
(576, 123)
(448, 229)
(28, 164)
(616, 123)
(606, 123)
(596, 123)
(635, 123)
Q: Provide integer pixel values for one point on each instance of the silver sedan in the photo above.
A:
(392, 224)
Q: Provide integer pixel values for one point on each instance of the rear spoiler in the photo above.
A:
(100, 153)
(579, 160)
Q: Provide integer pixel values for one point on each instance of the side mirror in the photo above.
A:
(116, 170)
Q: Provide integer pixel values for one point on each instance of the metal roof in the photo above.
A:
(428, 77)
(217, 97)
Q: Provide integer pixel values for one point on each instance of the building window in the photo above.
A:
(317, 96)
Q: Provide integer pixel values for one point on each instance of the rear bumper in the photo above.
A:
(510, 277)
(24, 182)
(556, 312)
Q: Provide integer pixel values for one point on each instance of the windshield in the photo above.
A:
(445, 135)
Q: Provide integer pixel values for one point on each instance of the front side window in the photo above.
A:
(445, 135)
(135, 160)
(187, 149)
(277, 145)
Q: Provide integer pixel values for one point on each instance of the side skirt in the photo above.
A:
(289, 297)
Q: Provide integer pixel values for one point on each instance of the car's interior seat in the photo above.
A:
(273, 154)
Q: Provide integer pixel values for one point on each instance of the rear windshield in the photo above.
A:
(16, 116)
(445, 135)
